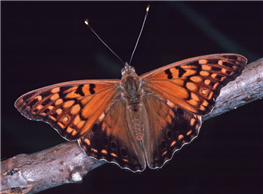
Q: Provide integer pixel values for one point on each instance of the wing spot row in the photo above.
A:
(54, 97)
(61, 125)
(114, 155)
(94, 150)
(192, 121)
(195, 97)
(205, 103)
(189, 132)
(191, 86)
(173, 143)
(104, 152)
(207, 82)
(164, 153)
(65, 119)
(101, 117)
(196, 79)
(75, 109)
(180, 137)
(202, 61)
(215, 85)
(39, 107)
(80, 124)
(59, 111)
(38, 97)
(206, 67)
(193, 102)
(69, 130)
(204, 73)
(220, 62)
(52, 118)
(55, 90)
(68, 104)
(204, 91)
(59, 101)
(87, 141)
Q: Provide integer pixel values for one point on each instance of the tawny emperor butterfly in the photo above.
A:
(138, 120)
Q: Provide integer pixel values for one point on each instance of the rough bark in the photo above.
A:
(67, 163)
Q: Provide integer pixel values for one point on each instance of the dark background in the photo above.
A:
(45, 43)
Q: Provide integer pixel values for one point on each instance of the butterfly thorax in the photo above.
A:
(130, 83)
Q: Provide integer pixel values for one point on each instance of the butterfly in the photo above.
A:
(136, 121)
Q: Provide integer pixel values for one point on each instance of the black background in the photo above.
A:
(45, 43)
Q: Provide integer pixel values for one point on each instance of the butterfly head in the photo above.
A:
(127, 69)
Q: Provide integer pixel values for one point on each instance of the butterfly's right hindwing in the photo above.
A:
(113, 139)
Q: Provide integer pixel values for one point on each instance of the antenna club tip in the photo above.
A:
(86, 22)
(148, 7)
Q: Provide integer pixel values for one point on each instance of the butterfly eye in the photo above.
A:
(122, 70)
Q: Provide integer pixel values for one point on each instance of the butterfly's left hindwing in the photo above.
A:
(167, 128)
(71, 107)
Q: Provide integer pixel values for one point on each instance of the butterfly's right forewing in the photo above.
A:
(70, 107)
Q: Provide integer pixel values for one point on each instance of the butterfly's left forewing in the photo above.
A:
(195, 83)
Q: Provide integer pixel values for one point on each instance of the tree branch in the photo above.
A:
(67, 163)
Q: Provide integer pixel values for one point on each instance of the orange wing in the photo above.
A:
(195, 83)
(174, 97)
(70, 107)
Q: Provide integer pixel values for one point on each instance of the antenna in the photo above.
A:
(146, 14)
(87, 23)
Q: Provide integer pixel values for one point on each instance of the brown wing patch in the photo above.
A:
(112, 139)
